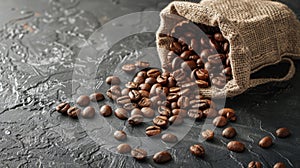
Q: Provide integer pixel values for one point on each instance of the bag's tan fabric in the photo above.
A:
(260, 33)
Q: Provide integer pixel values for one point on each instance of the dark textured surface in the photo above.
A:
(36, 68)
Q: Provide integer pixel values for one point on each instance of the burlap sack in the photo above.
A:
(260, 33)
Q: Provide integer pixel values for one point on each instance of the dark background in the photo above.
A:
(36, 69)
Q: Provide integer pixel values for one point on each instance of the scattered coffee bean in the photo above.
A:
(121, 113)
(73, 112)
(139, 154)
(227, 112)
(144, 102)
(139, 80)
(254, 164)
(170, 138)
(265, 142)
(142, 64)
(162, 157)
(197, 150)
(105, 111)
(120, 135)
(176, 120)
(135, 119)
(136, 111)
(83, 101)
(236, 146)
(129, 68)
(62, 108)
(279, 165)
(220, 121)
(114, 92)
(124, 148)
(164, 111)
(123, 100)
(130, 106)
(282, 132)
(208, 135)
(134, 95)
(113, 80)
(229, 132)
(195, 114)
(96, 97)
(148, 112)
(154, 73)
(88, 112)
(153, 130)
(161, 121)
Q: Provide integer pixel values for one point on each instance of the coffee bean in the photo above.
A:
(227, 112)
(135, 119)
(265, 142)
(131, 85)
(162, 80)
(170, 138)
(202, 83)
(130, 106)
(181, 112)
(208, 134)
(144, 86)
(88, 112)
(171, 82)
(236, 146)
(282, 132)
(96, 97)
(195, 114)
(73, 112)
(164, 111)
(176, 47)
(200, 74)
(172, 97)
(123, 100)
(105, 111)
(197, 150)
(121, 113)
(134, 95)
(220, 121)
(129, 68)
(144, 102)
(176, 120)
(150, 80)
(162, 157)
(161, 121)
(114, 92)
(142, 74)
(185, 55)
(210, 113)
(155, 99)
(120, 135)
(139, 80)
(144, 93)
(139, 154)
(125, 91)
(154, 73)
(124, 148)
(142, 64)
(83, 101)
(254, 164)
(62, 108)
(113, 80)
(148, 112)
(184, 92)
(227, 71)
(229, 132)
(153, 130)
(279, 165)
(164, 103)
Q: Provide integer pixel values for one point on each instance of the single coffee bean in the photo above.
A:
(254, 164)
(62, 108)
(144, 86)
(148, 112)
(195, 114)
(129, 68)
(154, 73)
(113, 80)
(185, 55)
(136, 111)
(121, 113)
(164, 111)
(120, 135)
(189, 65)
(125, 91)
(130, 106)
(155, 99)
(124, 148)
(180, 112)
(197, 150)
(142, 64)
(236, 146)
(142, 74)
(73, 112)
(184, 92)
(139, 80)
(229, 132)
(105, 111)
(220, 121)
(153, 130)
(162, 80)
(202, 83)
(227, 112)
(173, 105)
(134, 95)
(150, 80)
(145, 102)
(83, 101)
(139, 154)
(144, 93)
(176, 47)
(176, 120)
(114, 92)
(161, 121)
(265, 142)
(172, 97)
(131, 85)
(96, 97)
(123, 100)
(162, 157)
(170, 138)
(279, 165)
(210, 113)
(88, 112)
(282, 132)
(208, 134)
(171, 82)
(200, 74)
(227, 71)
(135, 119)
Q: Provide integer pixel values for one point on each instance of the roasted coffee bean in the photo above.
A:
(176, 47)
(214, 44)
(105, 111)
(200, 74)
(62, 108)
(227, 71)
(135, 119)
(171, 82)
(162, 157)
(114, 92)
(123, 100)
(73, 112)
(120, 135)
(279, 165)
(204, 54)
(181, 112)
(96, 97)
(164, 103)
(202, 83)
(188, 65)
(161, 121)
(219, 81)
(163, 91)
(142, 64)
(131, 85)
(265, 142)
(154, 73)
(176, 120)
(123, 148)
(174, 89)
(227, 112)
(194, 57)
(173, 97)
(144, 93)
(125, 91)
(138, 80)
(184, 92)
(153, 89)
(148, 112)
(208, 134)
(179, 75)
(282, 132)
(130, 106)
(162, 80)
(236, 146)
(219, 37)
(220, 121)
(134, 95)
(150, 80)
(173, 105)
(186, 54)
(121, 113)
(170, 138)
(113, 80)
(144, 102)
(139, 154)
(145, 86)
(88, 112)
(164, 111)
(129, 68)
(183, 102)
(195, 114)
(155, 99)
(136, 111)
(83, 100)
(229, 132)
(153, 130)
(210, 113)
(197, 150)
(142, 74)
(254, 164)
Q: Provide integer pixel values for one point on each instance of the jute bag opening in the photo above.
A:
(260, 33)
